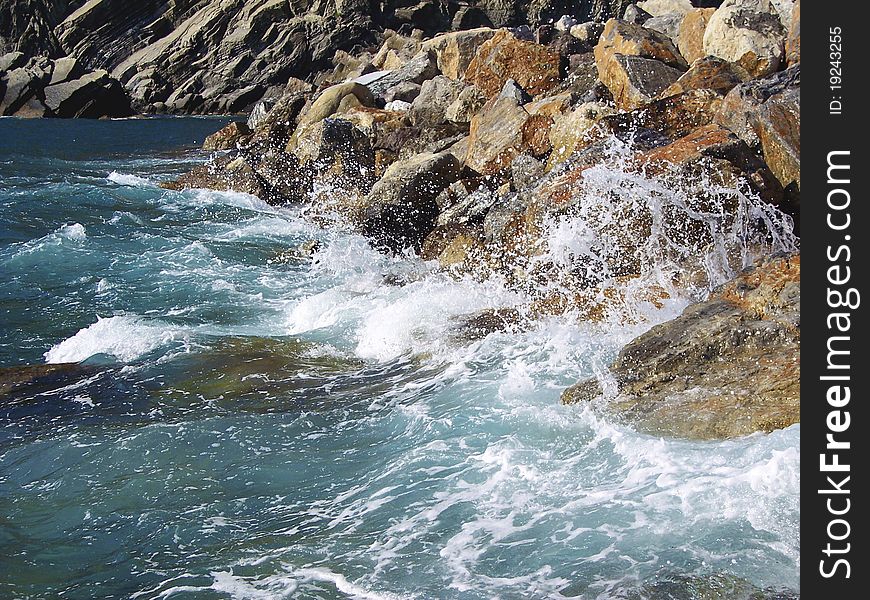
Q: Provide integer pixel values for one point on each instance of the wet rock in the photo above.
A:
(728, 366)
(690, 38)
(746, 32)
(400, 210)
(485, 322)
(500, 132)
(513, 91)
(569, 131)
(526, 171)
(708, 73)
(229, 173)
(228, 137)
(506, 56)
(666, 24)
(589, 32)
(463, 252)
(766, 112)
(18, 383)
(455, 50)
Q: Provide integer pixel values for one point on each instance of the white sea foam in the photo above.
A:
(124, 337)
(129, 179)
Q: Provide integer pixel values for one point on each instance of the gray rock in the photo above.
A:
(513, 91)
(667, 24)
(401, 210)
(406, 91)
(11, 61)
(636, 15)
(436, 95)
(93, 95)
(419, 69)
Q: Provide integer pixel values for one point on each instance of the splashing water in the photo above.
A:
(251, 422)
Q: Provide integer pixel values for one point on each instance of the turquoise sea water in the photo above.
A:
(246, 421)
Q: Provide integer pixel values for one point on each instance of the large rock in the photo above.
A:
(228, 137)
(417, 70)
(690, 38)
(630, 39)
(636, 64)
(336, 99)
(401, 210)
(501, 131)
(747, 32)
(92, 96)
(455, 50)
(636, 81)
(708, 73)
(569, 131)
(505, 56)
(728, 366)
(429, 108)
(658, 8)
(766, 112)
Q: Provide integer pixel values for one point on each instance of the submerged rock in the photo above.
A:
(728, 366)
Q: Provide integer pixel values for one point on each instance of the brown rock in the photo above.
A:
(708, 73)
(674, 116)
(505, 56)
(496, 136)
(728, 366)
(793, 39)
(636, 81)
(690, 40)
(455, 50)
(630, 39)
(747, 32)
(228, 137)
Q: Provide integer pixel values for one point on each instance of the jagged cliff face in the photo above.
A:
(220, 56)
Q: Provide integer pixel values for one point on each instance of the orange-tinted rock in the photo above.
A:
(793, 40)
(504, 56)
(227, 137)
(708, 73)
(690, 40)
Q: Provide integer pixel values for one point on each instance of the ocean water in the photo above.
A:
(220, 415)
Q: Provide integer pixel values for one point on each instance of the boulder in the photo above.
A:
(469, 17)
(741, 108)
(589, 32)
(229, 173)
(17, 87)
(629, 39)
(429, 108)
(455, 50)
(505, 56)
(746, 32)
(336, 99)
(708, 73)
(673, 116)
(11, 61)
(467, 104)
(690, 37)
(667, 24)
(406, 91)
(569, 131)
(636, 15)
(335, 148)
(636, 81)
(793, 39)
(401, 210)
(496, 136)
(728, 366)
(228, 137)
(636, 64)
(417, 70)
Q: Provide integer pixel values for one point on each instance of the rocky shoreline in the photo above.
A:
(466, 145)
